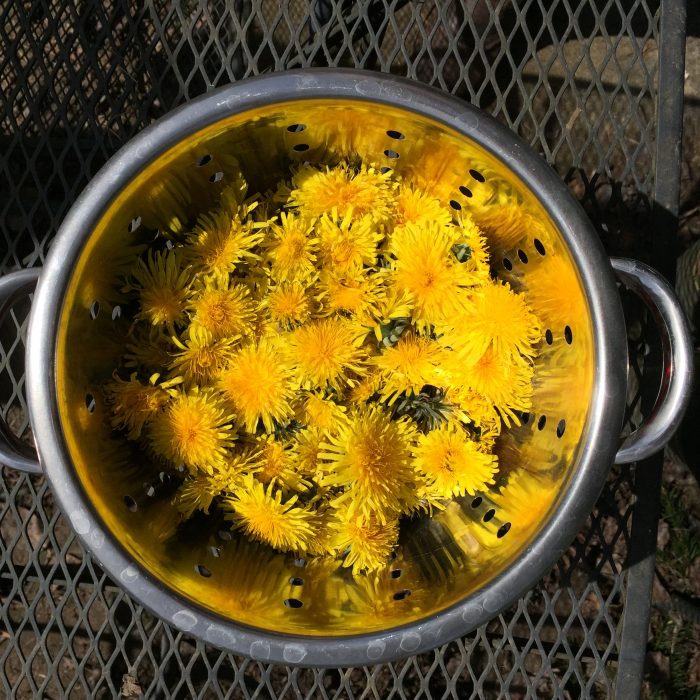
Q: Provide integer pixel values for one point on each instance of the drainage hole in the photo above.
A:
(94, 310)
(507, 264)
(465, 191)
(202, 570)
(391, 154)
(455, 205)
(296, 581)
(548, 337)
(301, 147)
(215, 552)
(523, 256)
(503, 530)
(477, 176)
(216, 177)
(296, 128)
(293, 603)
(90, 402)
(134, 224)
(203, 160)
(561, 427)
(395, 135)
(539, 247)
(568, 335)
(400, 595)
(131, 504)
(396, 573)
(541, 422)
(477, 502)
(488, 515)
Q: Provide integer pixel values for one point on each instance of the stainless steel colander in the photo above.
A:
(452, 572)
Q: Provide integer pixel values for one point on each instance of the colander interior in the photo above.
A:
(440, 560)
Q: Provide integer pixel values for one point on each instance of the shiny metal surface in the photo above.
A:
(458, 569)
(677, 348)
(13, 451)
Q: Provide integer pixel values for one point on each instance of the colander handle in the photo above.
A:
(677, 351)
(13, 452)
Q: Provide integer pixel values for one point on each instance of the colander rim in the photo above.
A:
(603, 427)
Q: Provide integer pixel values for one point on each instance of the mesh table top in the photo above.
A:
(578, 80)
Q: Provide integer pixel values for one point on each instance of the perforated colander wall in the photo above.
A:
(78, 79)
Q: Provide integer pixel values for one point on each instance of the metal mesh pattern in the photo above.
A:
(78, 79)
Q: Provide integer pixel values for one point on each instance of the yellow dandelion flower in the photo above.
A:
(288, 304)
(472, 407)
(324, 352)
(346, 243)
(453, 464)
(197, 492)
(149, 348)
(275, 462)
(225, 310)
(505, 382)
(261, 514)
(194, 428)
(220, 240)
(497, 318)
(371, 456)
(291, 248)
(134, 404)
(426, 268)
(361, 294)
(323, 414)
(306, 450)
(409, 365)
(258, 385)
(413, 206)
(163, 284)
(201, 358)
(365, 389)
(365, 190)
(477, 251)
(364, 541)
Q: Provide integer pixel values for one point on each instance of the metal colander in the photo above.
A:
(450, 573)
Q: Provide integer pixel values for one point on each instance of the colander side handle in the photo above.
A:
(677, 352)
(13, 452)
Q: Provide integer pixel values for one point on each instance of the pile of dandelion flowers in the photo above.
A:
(163, 284)
(260, 512)
(258, 386)
(452, 463)
(194, 428)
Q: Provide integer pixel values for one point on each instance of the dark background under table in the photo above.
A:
(594, 85)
